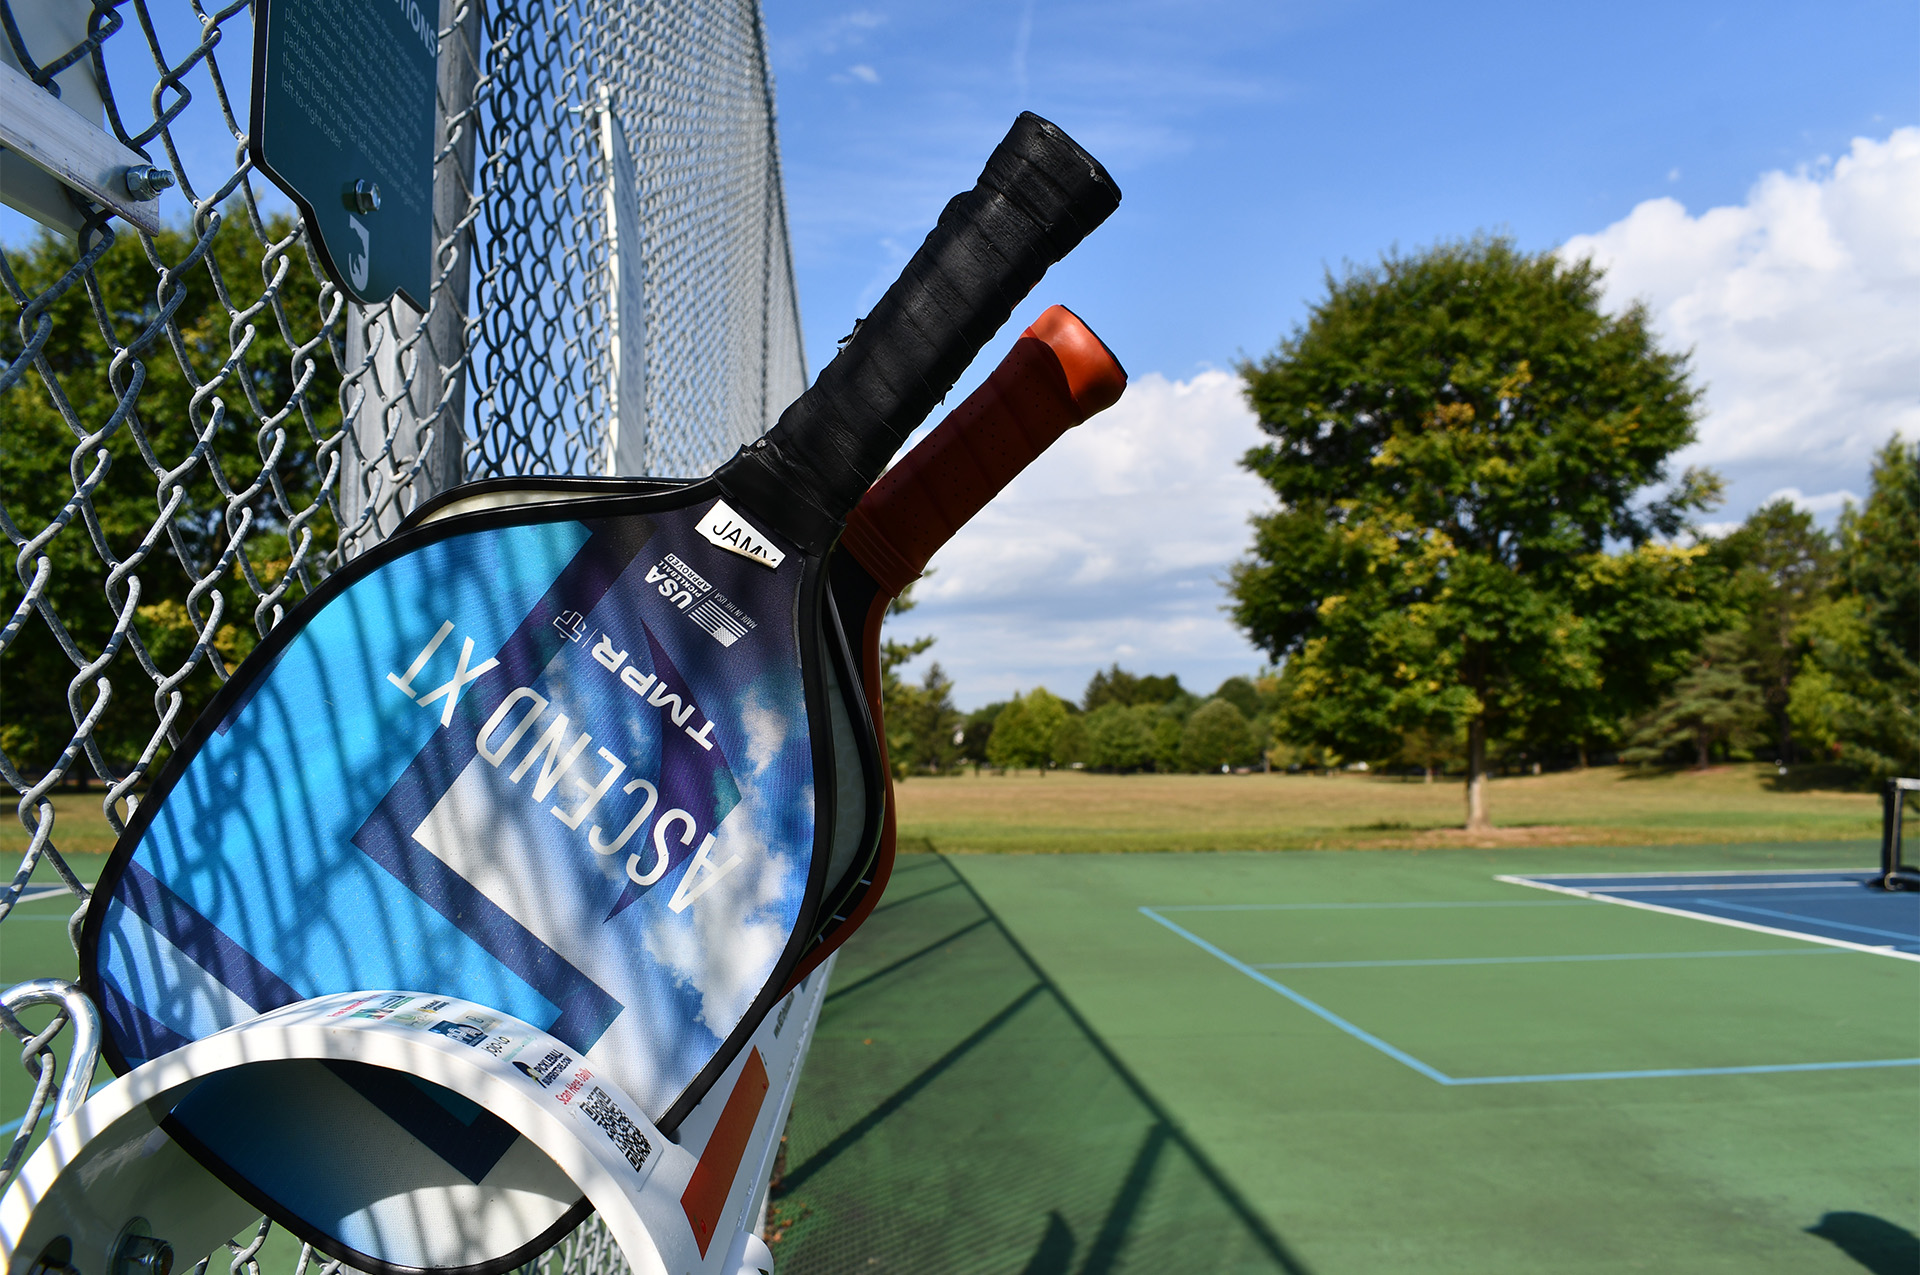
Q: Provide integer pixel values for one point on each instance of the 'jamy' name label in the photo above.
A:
(727, 529)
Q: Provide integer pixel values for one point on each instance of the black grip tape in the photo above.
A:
(1038, 197)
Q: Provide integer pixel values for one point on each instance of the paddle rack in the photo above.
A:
(109, 1191)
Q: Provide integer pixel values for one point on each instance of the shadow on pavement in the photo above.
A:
(957, 1114)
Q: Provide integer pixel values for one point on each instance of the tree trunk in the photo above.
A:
(1477, 820)
(1583, 754)
(1429, 774)
(1702, 744)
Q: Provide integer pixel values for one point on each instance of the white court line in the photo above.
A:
(35, 893)
(1704, 872)
(1735, 885)
(1536, 960)
(1541, 884)
(1362, 907)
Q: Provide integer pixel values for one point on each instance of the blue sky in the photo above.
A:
(1259, 143)
(1707, 152)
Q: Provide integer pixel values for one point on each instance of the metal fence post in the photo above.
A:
(408, 401)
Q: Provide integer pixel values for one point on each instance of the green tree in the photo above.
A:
(976, 732)
(1120, 737)
(1784, 566)
(1215, 736)
(921, 725)
(1023, 733)
(1070, 742)
(1109, 686)
(901, 702)
(1717, 703)
(1857, 695)
(1457, 438)
(1169, 726)
(1117, 686)
(233, 390)
(1242, 694)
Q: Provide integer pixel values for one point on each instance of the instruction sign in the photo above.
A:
(342, 121)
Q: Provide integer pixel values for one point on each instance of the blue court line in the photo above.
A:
(1906, 939)
(1764, 1069)
(1542, 960)
(1318, 907)
(1398, 1055)
(1440, 1077)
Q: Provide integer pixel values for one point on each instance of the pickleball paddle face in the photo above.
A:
(592, 758)
(858, 745)
(564, 760)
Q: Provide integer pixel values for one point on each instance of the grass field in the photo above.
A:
(1017, 1070)
(1076, 811)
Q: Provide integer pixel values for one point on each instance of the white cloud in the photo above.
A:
(1831, 502)
(1802, 306)
(1112, 546)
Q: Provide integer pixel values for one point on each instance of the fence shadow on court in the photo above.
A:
(957, 1114)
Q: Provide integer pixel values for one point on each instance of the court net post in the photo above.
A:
(1895, 872)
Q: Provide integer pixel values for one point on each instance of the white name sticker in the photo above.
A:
(728, 530)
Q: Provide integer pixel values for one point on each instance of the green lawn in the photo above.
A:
(80, 832)
(1076, 811)
(1018, 1071)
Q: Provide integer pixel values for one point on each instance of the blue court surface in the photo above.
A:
(1841, 909)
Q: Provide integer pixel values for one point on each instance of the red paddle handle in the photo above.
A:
(1057, 375)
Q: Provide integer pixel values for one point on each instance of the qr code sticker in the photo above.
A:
(633, 1144)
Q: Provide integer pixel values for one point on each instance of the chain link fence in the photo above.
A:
(196, 427)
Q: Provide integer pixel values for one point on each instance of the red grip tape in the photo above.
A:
(1056, 376)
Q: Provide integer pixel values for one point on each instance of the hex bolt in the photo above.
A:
(144, 181)
(364, 197)
(138, 1252)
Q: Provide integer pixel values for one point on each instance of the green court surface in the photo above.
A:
(1349, 1062)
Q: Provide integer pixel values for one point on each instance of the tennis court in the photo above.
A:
(1348, 1062)
(1368, 1061)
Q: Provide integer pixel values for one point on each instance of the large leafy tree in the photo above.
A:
(1784, 566)
(1120, 737)
(1024, 733)
(1462, 444)
(1857, 696)
(1216, 736)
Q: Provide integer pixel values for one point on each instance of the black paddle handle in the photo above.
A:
(1038, 197)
